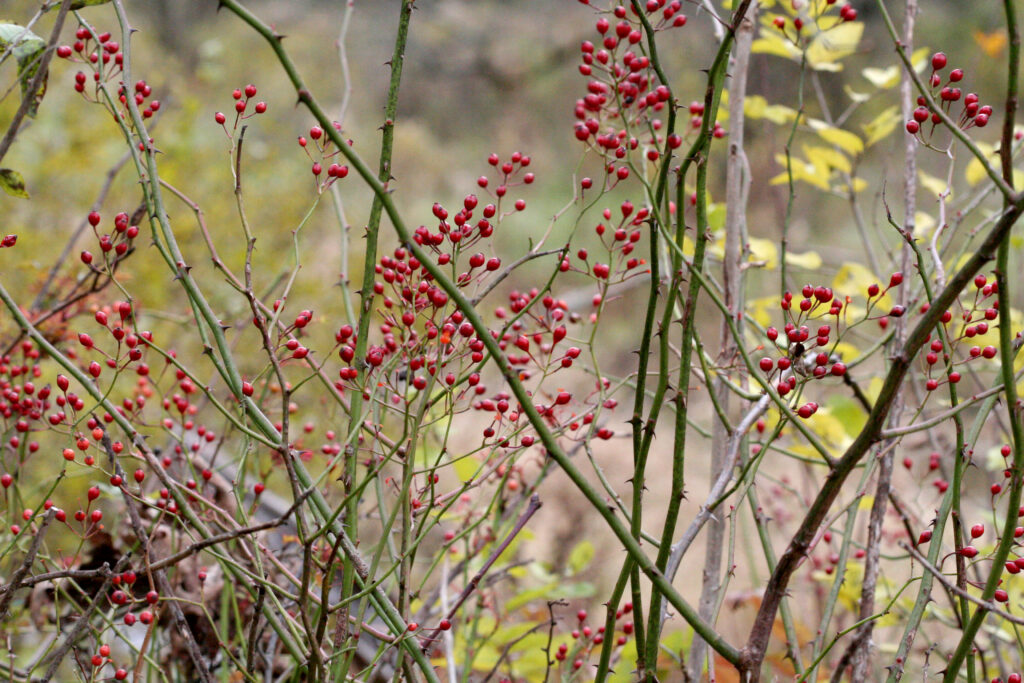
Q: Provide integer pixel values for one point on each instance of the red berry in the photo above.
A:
(939, 61)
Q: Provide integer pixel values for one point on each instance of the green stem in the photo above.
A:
(366, 294)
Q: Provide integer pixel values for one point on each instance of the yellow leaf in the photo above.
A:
(809, 260)
(828, 47)
(858, 184)
(779, 113)
(802, 171)
(936, 186)
(830, 429)
(771, 43)
(843, 139)
(921, 58)
(764, 251)
(883, 124)
(826, 157)
(754, 106)
(923, 222)
(857, 97)
(975, 172)
(761, 309)
(882, 78)
(874, 388)
(847, 351)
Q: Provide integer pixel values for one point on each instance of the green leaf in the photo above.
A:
(580, 557)
(466, 468)
(525, 597)
(28, 49)
(13, 183)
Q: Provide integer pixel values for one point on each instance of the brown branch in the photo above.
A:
(82, 623)
(162, 582)
(26, 564)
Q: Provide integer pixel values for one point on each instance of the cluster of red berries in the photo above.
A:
(102, 657)
(799, 356)
(107, 50)
(119, 241)
(970, 552)
(121, 598)
(620, 89)
(118, 321)
(321, 154)
(242, 98)
(947, 92)
(140, 93)
(875, 293)
(587, 639)
(103, 50)
(829, 563)
(620, 239)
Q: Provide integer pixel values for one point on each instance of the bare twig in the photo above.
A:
(26, 564)
(531, 508)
